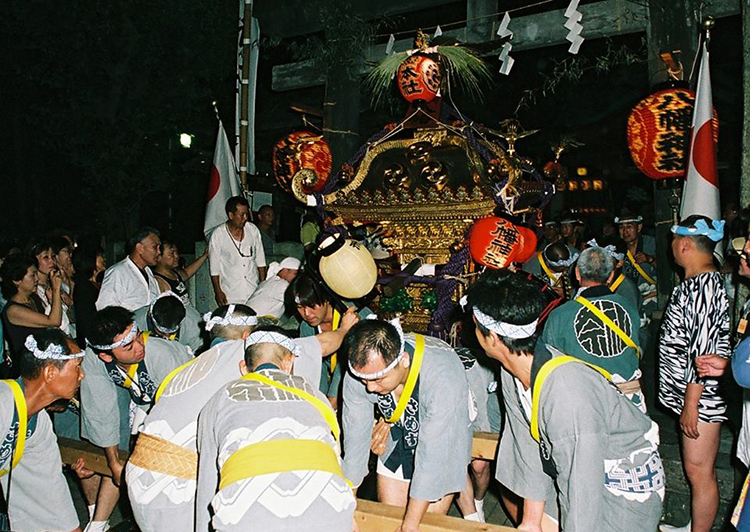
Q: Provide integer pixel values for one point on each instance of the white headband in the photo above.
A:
(371, 376)
(507, 330)
(270, 337)
(53, 351)
(123, 341)
(611, 249)
(151, 312)
(560, 263)
(628, 219)
(229, 319)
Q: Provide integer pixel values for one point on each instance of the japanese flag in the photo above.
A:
(222, 185)
(701, 192)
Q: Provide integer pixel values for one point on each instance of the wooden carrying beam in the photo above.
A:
(71, 450)
(371, 516)
(377, 517)
(484, 446)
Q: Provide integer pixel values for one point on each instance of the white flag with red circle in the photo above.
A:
(222, 185)
(700, 194)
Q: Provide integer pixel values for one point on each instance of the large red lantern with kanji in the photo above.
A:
(302, 154)
(659, 131)
(418, 78)
(495, 242)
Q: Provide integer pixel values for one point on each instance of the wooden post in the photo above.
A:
(671, 27)
(745, 156)
(478, 23)
(247, 21)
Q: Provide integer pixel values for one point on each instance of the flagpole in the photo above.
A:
(245, 90)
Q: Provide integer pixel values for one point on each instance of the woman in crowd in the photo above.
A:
(24, 313)
(62, 254)
(45, 264)
(168, 273)
(89, 264)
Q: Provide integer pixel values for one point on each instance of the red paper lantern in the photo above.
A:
(495, 242)
(658, 132)
(418, 78)
(306, 152)
(528, 237)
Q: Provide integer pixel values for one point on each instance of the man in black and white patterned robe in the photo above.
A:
(696, 324)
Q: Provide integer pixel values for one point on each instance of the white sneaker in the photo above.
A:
(672, 528)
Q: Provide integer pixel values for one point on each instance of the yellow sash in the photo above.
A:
(324, 408)
(279, 456)
(609, 323)
(641, 271)
(617, 282)
(411, 380)
(335, 326)
(550, 273)
(172, 374)
(20, 404)
(544, 372)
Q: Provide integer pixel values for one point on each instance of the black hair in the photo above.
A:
(235, 201)
(59, 243)
(168, 241)
(37, 247)
(556, 252)
(168, 313)
(254, 352)
(84, 259)
(220, 331)
(108, 323)
(304, 290)
(264, 208)
(14, 268)
(141, 235)
(370, 336)
(31, 366)
(509, 298)
(702, 242)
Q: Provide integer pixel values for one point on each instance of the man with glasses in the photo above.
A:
(235, 250)
(130, 283)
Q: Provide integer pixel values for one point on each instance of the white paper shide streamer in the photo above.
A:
(505, 59)
(574, 26)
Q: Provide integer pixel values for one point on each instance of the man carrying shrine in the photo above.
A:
(599, 327)
(315, 306)
(161, 472)
(33, 485)
(420, 389)
(124, 369)
(640, 263)
(552, 265)
(583, 424)
(269, 449)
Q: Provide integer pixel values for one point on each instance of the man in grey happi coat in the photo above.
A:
(125, 369)
(269, 441)
(420, 387)
(163, 497)
(584, 425)
(38, 498)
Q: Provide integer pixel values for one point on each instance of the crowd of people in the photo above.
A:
(232, 420)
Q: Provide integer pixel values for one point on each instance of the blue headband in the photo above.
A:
(700, 228)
